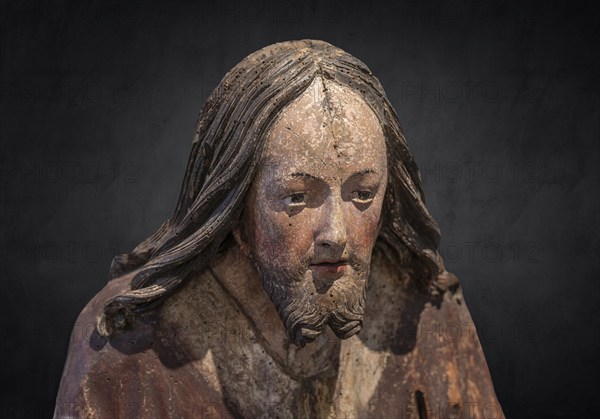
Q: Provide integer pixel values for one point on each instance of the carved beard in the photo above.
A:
(307, 308)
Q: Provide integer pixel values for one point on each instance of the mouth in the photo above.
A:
(330, 266)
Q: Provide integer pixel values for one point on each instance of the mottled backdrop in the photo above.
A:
(499, 103)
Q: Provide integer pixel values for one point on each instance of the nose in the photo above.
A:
(331, 232)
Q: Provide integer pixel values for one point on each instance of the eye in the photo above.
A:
(363, 197)
(295, 199)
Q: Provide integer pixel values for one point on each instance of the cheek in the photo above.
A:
(280, 239)
(362, 228)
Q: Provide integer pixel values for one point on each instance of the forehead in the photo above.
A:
(327, 128)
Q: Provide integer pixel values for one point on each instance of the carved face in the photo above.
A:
(312, 215)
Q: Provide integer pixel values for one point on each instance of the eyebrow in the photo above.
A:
(303, 174)
(364, 172)
(357, 173)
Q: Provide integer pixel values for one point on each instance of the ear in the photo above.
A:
(239, 238)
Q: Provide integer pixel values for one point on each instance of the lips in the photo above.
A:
(330, 266)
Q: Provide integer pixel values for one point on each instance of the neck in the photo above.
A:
(240, 280)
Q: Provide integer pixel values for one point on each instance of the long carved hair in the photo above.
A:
(227, 148)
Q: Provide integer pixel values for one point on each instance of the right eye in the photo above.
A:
(295, 199)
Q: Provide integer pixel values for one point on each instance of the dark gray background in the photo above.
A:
(499, 104)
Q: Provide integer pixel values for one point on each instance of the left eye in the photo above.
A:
(295, 199)
(363, 197)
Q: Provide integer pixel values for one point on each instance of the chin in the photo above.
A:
(308, 304)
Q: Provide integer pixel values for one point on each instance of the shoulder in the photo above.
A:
(87, 351)
(85, 339)
(139, 372)
(432, 336)
(86, 321)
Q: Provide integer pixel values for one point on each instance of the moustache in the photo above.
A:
(358, 265)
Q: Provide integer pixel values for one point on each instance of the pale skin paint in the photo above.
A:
(319, 191)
